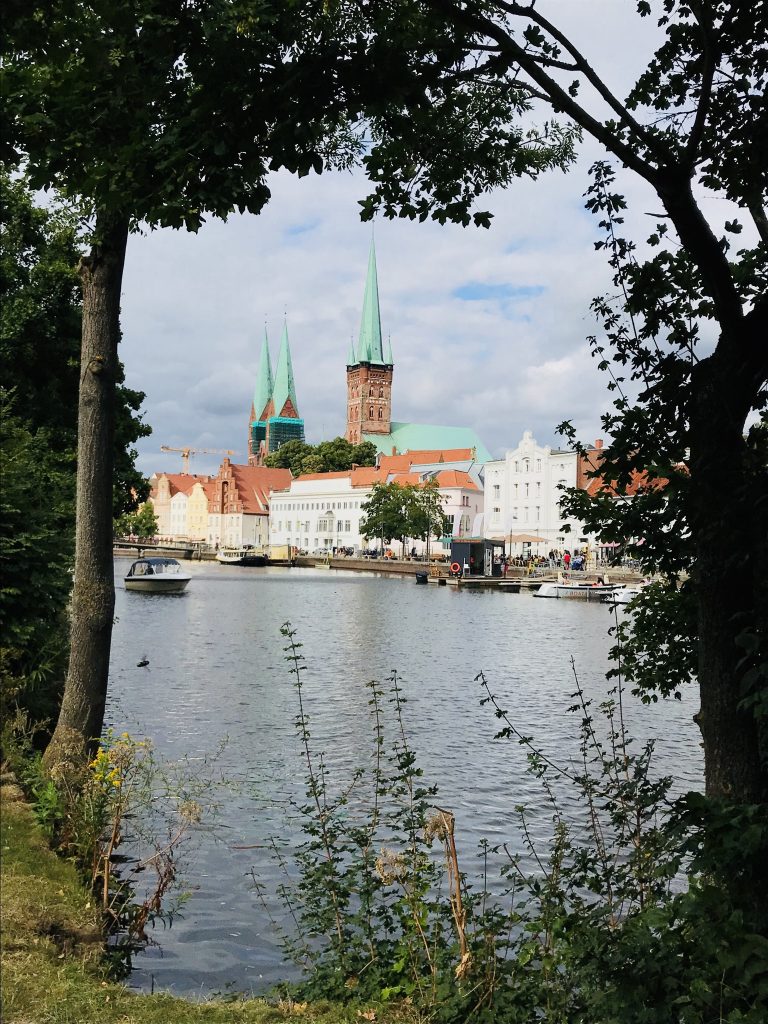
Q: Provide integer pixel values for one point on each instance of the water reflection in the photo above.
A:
(216, 669)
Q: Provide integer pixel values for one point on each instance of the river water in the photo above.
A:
(216, 671)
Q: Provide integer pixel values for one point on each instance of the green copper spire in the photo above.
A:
(263, 389)
(390, 360)
(351, 358)
(369, 348)
(284, 387)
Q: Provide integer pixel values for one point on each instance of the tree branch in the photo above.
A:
(556, 95)
(523, 11)
(711, 61)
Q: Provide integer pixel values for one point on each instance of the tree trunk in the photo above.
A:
(729, 513)
(93, 597)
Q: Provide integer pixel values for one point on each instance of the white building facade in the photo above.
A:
(522, 495)
(318, 512)
(322, 511)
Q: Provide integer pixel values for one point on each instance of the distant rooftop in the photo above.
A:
(428, 437)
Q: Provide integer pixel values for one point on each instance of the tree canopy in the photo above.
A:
(335, 456)
(399, 511)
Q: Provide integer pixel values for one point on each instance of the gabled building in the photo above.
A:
(274, 415)
(370, 370)
(180, 505)
(522, 497)
(238, 504)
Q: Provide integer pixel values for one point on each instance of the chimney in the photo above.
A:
(599, 443)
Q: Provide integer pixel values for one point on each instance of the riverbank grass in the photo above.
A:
(52, 970)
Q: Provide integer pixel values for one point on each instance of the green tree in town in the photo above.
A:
(290, 455)
(427, 517)
(336, 456)
(141, 523)
(386, 513)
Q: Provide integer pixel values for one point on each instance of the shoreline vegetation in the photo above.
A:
(53, 970)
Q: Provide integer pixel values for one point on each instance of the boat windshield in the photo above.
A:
(153, 566)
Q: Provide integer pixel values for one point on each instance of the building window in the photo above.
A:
(527, 488)
(370, 412)
(496, 491)
(517, 466)
(381, 414)
(515, 490)
(538, 465)
(538, 513)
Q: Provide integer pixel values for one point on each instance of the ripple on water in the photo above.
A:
(216, 670)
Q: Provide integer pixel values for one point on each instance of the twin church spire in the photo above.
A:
(275, 412)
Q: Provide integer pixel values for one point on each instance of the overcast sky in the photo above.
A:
(488, 327)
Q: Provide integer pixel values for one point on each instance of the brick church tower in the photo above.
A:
(369, 370)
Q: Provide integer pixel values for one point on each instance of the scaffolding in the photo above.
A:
(281, 429)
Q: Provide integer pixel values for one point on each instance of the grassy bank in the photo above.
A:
(51, 964)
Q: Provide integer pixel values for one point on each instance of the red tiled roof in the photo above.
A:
(254, 484)
(402, 463)
(179, 482)
(250, 486)
(324, 476)
(456, 478)
(639, 480)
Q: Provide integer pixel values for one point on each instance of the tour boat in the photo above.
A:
(156, 576)
(584, 591)
(240, 556)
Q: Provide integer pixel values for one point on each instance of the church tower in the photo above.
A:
(275, 412)
(369, 369)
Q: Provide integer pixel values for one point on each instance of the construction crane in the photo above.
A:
(186, 452)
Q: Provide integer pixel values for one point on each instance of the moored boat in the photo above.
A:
(240, 556)
(156, 575)
(597, 591)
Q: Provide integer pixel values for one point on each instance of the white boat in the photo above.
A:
(245, 555)
(580, 591)
(156, 576)
(624, 595)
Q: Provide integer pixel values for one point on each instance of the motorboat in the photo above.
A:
(245, 555)
(156, 575)
(600, 590)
